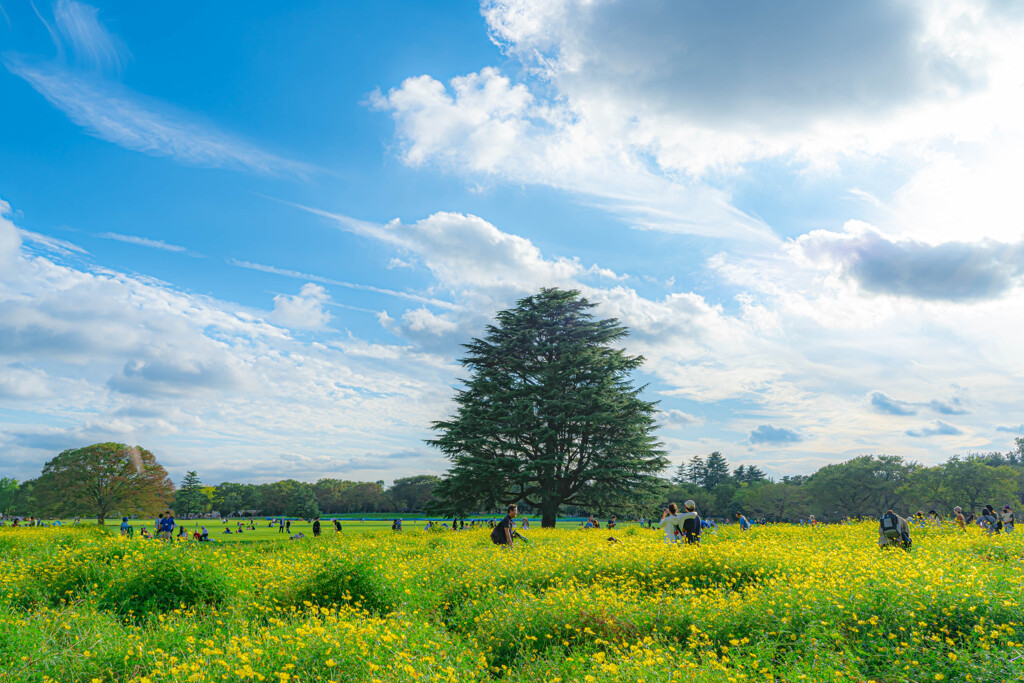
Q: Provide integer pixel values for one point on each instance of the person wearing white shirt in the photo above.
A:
(668, 523)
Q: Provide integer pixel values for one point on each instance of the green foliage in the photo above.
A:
(230, 498)
(103, 478)
(549, 415)
(412, 493)
(189, 499)
(302, 503)
(8, 493)
(867, 485)
(346, 580)
(166, 578)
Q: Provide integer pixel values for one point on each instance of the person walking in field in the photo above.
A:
(502, 533)
(893, 530)
(958, 517)
(316, 527)
(668, 523)
(288, 526)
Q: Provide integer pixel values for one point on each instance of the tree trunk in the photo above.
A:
(549, 513)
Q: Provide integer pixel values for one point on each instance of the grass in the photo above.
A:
(778, 603)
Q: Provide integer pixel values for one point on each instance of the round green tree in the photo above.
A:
(549, 415)
(104, 478)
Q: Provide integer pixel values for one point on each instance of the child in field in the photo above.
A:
(145, 533)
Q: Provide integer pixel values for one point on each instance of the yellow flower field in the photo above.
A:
(776, 603)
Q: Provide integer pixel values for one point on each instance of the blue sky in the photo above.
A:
(252, 239)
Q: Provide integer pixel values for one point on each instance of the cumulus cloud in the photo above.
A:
(936, 428)
(677, 418)
(887, 405)
(948, 271)
(194, 378)
(773, 435)
(745, 64)
(10, 239)
(305, 310)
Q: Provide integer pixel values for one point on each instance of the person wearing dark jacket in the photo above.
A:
(688, 523)
(316, 526)
(503, 532)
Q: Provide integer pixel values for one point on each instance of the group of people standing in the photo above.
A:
(682, 526)
(894, 530)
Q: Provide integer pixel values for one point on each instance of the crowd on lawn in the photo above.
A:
(683, 526)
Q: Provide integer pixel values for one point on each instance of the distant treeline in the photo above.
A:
(864, 486)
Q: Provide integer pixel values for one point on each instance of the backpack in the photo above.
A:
(889, 526)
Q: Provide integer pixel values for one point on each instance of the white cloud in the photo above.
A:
(485, 125)
(142, 241)
(10, 238)
(651, 112)
(677, 418)
(118, 115)
(423, 320)
(203, 382)
(112, 112)
(91, 44)
(305, 310)
(952, 271)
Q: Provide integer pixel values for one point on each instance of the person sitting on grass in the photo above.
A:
(182, 531)
(296, 537)
(205, 536)
(145, 533)
(502, 534)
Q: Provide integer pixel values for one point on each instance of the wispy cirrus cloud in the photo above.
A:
(114, 113)
(77, 83)
(91, 44)
(142, 242)
(341, 283)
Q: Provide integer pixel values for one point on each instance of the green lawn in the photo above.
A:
(262, 532)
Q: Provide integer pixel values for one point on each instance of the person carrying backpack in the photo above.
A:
(688, 523)
(893, 530)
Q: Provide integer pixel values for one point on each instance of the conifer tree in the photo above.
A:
(549, 415)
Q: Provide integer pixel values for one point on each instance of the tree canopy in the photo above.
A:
(189, 499)
(549, 415)
(104, 478)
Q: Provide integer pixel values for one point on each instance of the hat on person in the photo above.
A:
(689, 505)
(958, 509)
